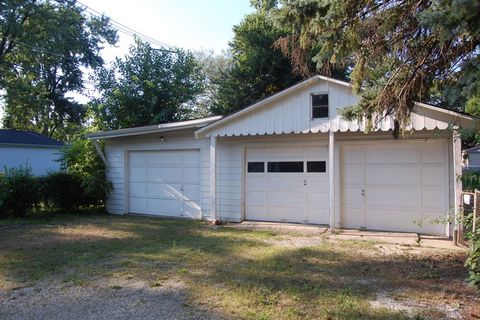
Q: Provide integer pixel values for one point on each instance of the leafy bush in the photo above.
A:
(19, 192)
(471, 180)
(82, 160)
(62, 191)
(473, 261)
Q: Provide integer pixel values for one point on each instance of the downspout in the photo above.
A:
(99, 151)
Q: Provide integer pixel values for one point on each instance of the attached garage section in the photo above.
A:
(394, 186)
(287, 184)
(165, 183)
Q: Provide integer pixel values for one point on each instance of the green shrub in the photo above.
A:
(473, 261)
(470, 180)
(19, 192)
(81, 159)
(62, 191)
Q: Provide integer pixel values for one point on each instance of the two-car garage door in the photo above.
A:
(165, 183)
(395, 186)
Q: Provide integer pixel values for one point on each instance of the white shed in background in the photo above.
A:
(471, 159)
(292, 158)
(29, 149)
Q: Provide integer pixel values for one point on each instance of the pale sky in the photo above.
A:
(189, 24)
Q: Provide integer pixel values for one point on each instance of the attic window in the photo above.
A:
(319, 106)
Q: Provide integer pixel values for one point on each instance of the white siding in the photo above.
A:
(116, 150)
(41, 159)
(291, 113)
(229, 180)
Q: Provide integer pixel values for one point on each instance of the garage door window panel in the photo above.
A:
(316, 166)
(285, 166)
(256, 167)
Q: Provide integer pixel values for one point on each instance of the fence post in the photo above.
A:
(476, 198)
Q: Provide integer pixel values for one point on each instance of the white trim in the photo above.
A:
(446, 111)
(165, 127)
(457, 172)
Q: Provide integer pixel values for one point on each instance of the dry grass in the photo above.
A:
(241, 273)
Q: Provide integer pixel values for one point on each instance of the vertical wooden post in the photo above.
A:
(213, 178)
(457, 182)
(331, 178)
(476, 195)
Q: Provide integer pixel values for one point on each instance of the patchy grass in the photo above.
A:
(237, 273)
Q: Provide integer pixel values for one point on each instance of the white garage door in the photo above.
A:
(287, 184)
(165, 183)
(395, 186)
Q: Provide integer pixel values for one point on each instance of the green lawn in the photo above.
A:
(238, 273)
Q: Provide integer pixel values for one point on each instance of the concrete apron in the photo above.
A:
(400, 238)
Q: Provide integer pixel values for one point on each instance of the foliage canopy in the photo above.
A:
(257, 69)
(149, 86)
(44, 49)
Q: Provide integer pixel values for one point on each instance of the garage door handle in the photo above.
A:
(363, 192)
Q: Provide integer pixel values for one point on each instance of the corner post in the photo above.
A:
(331, 178)
(457, 183)
(213, 178)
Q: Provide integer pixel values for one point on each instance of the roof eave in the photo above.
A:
(32, 145)
(447, 111)
(162, 128)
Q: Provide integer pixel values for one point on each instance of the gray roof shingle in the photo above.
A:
(8, 136)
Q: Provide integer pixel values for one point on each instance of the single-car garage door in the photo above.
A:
(395, 186)
(165, 183)
(287, 184)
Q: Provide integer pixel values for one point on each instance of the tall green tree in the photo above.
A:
(402, 51)
(212, 65)
(149, 86)
(45, 48)
(258, 69)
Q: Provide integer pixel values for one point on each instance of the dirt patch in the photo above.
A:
(106, 299)
(413, 308)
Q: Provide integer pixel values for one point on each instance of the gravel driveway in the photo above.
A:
(123, 299)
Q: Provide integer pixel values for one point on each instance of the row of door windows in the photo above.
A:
(287, 166)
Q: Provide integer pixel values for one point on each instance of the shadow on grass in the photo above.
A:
(232, 270)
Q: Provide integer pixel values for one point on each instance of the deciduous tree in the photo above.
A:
(149, 86)
(44, 49)
(258, 69)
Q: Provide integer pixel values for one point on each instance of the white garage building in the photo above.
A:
(292, 158)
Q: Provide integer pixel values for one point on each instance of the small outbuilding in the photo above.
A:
(29, 149)
(293, 158)
(471, 159)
